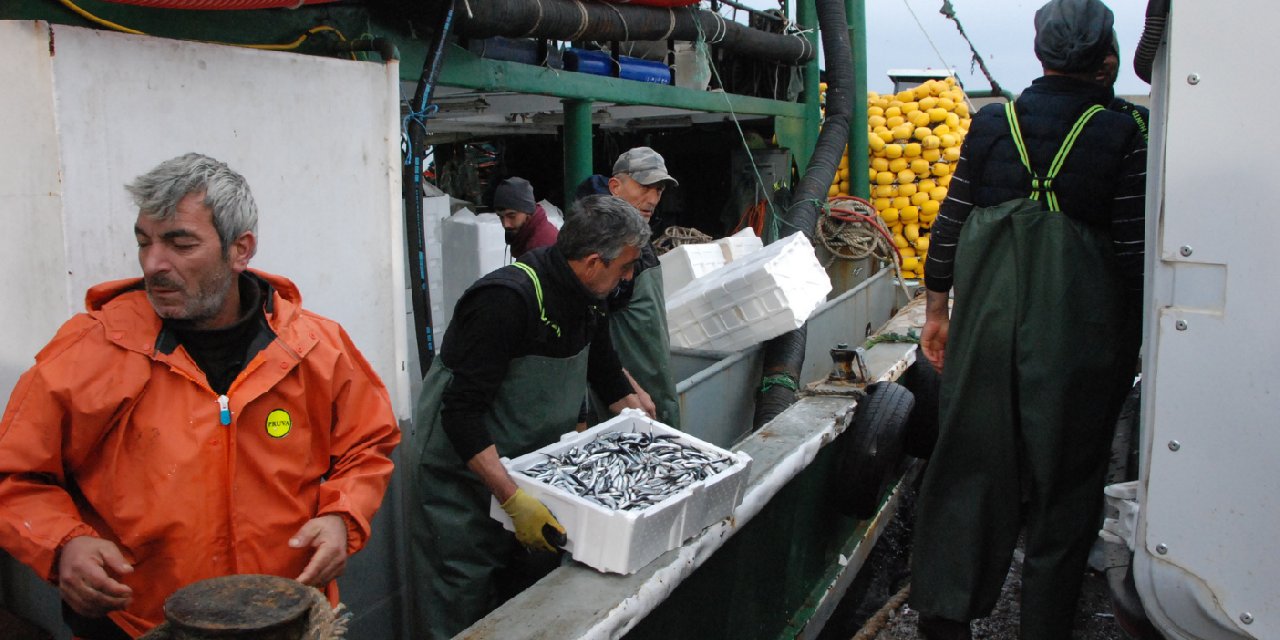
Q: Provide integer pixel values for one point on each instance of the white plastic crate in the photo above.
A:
(688, 262)
(760, 296)
(624, 541)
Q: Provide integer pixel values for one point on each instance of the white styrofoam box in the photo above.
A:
(554, 215)
(740, 244)
(688, 262)
(760, 296)
(624, 541)
(435, 209)
(473, 245)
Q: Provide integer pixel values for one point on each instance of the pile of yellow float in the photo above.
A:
(914, 142)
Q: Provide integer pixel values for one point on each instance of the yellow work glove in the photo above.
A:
(536, 528)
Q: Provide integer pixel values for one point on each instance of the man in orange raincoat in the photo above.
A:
(192, 423)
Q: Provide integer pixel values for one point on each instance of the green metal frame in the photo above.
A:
(859, 162)
(467, 70)
(807, 15)
(577, 144)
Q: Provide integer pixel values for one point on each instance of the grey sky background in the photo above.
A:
(1002, 31)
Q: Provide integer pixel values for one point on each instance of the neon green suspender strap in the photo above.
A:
(1045, 185)
(537, 289)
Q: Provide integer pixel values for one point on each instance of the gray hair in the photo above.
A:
(158, 192)
(604, 225)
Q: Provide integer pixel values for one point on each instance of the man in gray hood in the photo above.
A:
(1041, 238)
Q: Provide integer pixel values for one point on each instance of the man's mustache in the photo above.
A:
(162, 282)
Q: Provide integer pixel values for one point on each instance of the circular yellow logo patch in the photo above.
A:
(279, 423)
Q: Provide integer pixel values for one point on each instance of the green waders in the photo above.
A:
(460, 555)
(640, 337)
(1028, 392)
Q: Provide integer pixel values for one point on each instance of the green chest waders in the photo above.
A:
(459, 553)
(1031, 364)
(639, 334)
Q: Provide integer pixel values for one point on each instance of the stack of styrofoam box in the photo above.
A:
(435, 209)
(624, 541)
(750, 300)
(474, 245)
(688, 262)
(740, 245)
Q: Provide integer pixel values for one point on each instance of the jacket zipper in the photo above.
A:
(224, 410)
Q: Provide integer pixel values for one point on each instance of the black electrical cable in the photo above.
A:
(415, 224)
(383, 46)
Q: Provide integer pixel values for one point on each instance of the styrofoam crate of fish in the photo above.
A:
(757, 297)
(688, 262)
(618, 540)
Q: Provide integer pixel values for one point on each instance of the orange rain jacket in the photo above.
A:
(106, 436)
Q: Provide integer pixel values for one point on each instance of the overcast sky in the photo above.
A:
(1001, 30)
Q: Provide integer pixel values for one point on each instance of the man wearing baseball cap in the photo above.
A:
(638, 308)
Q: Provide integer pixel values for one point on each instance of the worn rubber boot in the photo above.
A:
(934, 628)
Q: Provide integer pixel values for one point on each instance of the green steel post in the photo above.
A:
(859, 164)
(807, 17)
(577, 145)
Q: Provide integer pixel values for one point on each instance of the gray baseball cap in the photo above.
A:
(644, 165)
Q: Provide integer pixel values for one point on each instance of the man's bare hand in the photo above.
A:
(646, 402)
(933, 341)
(326, 534)
(937, 326)
(86, 566)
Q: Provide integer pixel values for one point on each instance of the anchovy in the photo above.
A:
(629, 470)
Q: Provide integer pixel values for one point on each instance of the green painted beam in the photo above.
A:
(807, 18)
(467, 70)
(859, 162)
(577, 145)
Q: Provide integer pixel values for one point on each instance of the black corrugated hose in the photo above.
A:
(573, 21)
(784, 355)
(1152, 34)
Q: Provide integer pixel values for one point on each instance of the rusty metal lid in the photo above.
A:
(230, 606)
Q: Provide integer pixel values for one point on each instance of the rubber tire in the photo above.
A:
(1124, 444)
(871, 448)
(924, 382)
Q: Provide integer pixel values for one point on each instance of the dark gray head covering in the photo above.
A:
(1073, 36)
(514, 193)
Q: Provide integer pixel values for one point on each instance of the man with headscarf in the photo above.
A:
(1041, 236)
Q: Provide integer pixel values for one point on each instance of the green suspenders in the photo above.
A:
(1045, 185)
(537, 289)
